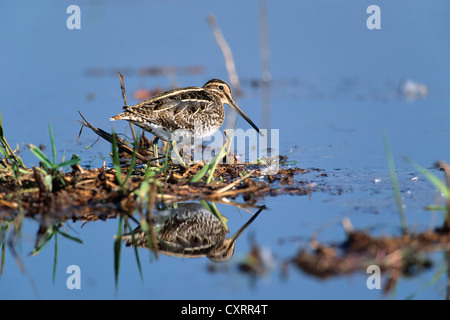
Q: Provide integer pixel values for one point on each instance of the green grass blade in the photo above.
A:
(150, 172)
(394, 182)
(142, 192)
(220, 156)
(431, 177)
(3, 152)
(117, 248)
(16, 171)
(66, 163)
(41, 156)
(166, 159)
(217, 158)
(199, 175)
(52, 142)
(212, 164)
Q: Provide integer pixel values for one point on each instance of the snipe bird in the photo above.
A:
(181, 114)
(190, 231)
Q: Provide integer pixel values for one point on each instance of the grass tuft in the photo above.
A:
(394, 182)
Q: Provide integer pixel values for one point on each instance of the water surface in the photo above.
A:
(335, 90)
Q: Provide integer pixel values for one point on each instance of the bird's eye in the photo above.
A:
(220, 87)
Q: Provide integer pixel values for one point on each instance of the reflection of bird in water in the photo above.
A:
(190, 231)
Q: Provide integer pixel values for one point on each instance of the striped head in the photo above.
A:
(223, 90)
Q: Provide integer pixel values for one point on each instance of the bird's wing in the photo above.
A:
(180, 102)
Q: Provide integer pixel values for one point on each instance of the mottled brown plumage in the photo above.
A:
(182, 114)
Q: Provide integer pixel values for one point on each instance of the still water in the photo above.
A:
(336, 87)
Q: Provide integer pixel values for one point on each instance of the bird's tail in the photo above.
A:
(125, 115)
(121, 116)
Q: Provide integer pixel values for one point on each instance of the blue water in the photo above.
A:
(334, 93)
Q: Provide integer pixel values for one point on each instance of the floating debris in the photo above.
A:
(412, 90)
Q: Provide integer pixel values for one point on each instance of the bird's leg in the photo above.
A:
(175, 149)
(155, 148)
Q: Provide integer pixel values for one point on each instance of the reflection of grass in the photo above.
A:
(136, 253)
(4, 226)
(44, 237)
(123, 187)
(117, 249)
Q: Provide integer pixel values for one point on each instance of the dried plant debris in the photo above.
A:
(98, 193)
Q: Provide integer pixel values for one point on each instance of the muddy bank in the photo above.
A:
(97, 193)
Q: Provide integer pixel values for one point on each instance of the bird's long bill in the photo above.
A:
(242, 114)
(239, 232)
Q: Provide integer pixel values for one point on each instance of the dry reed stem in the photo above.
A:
(124, 96)
(265, 63)
(233, 184)
(227, 54)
